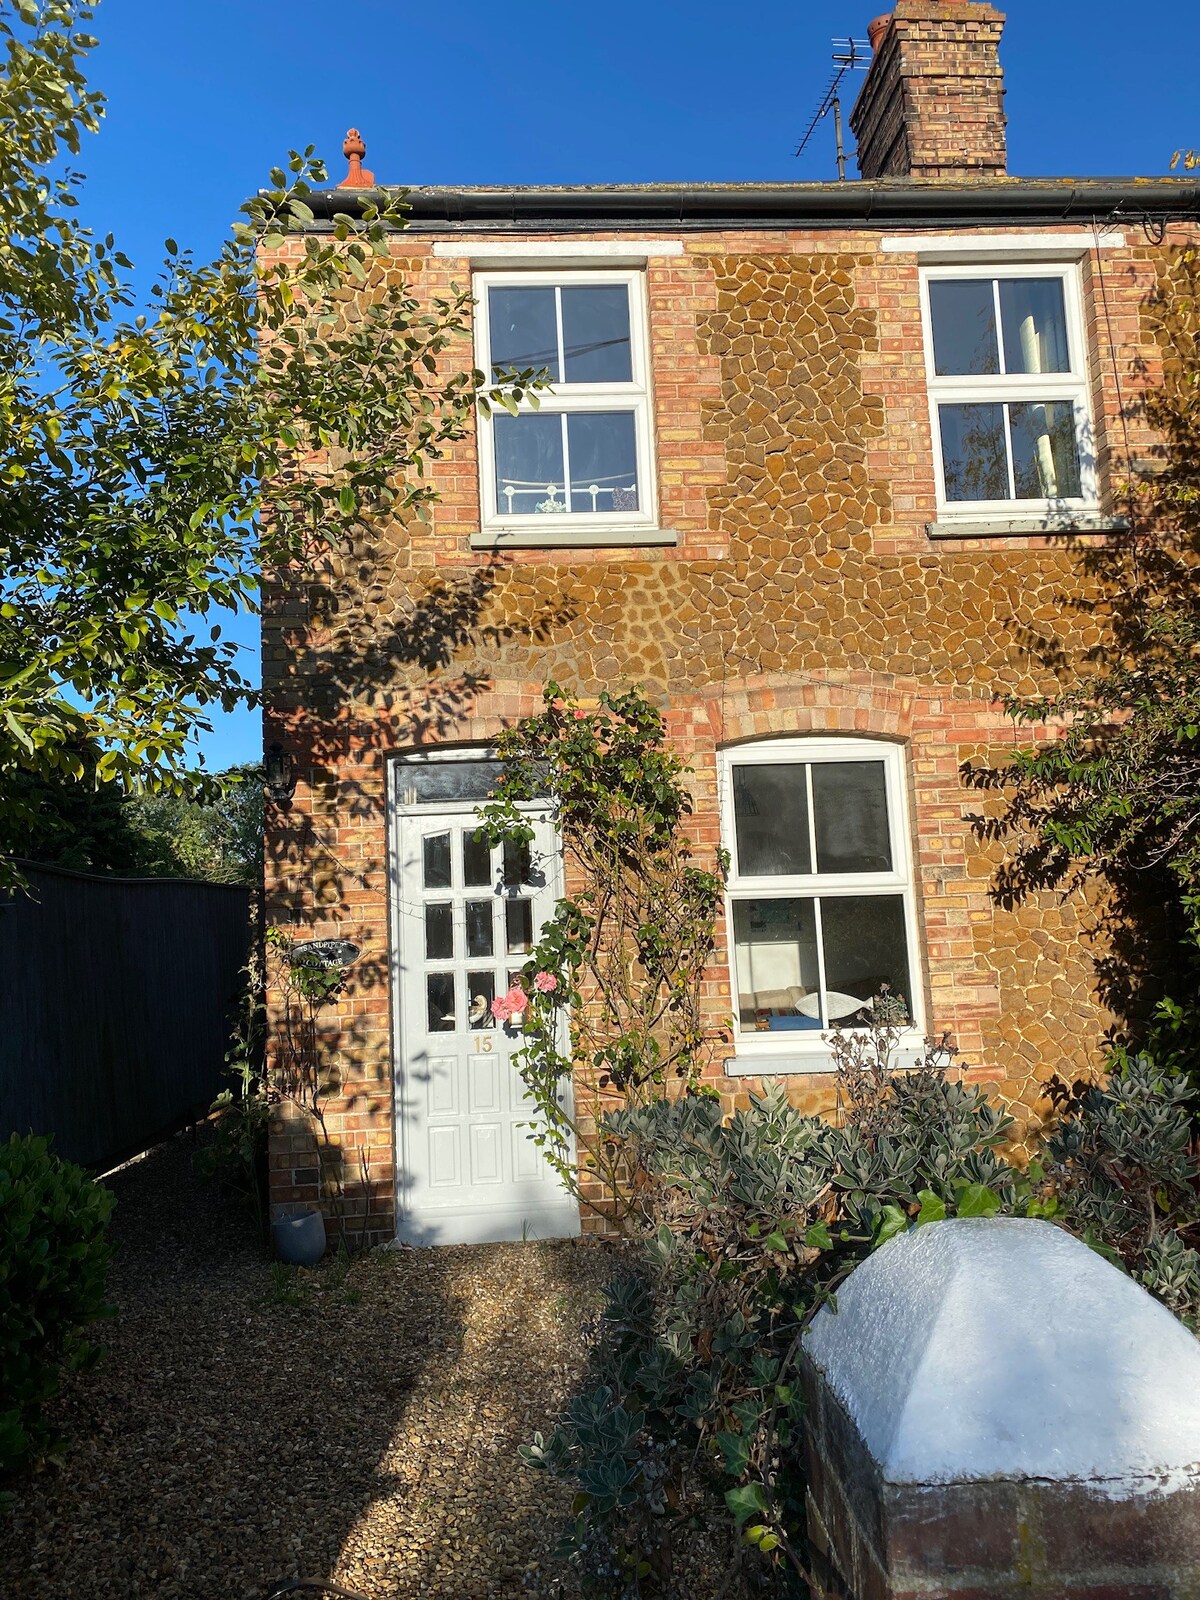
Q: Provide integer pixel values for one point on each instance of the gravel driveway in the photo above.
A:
(366, 1434)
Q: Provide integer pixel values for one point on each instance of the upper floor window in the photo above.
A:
(821, 911)
(582, 459)
(1008, 391)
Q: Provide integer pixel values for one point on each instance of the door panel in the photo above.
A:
(466, 917)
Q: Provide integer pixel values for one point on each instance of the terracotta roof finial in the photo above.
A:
(354, 150)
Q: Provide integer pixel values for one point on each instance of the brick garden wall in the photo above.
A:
(795, 461)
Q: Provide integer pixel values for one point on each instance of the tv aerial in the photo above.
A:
(849, 55)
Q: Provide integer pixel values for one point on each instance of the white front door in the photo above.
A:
(467, 1169)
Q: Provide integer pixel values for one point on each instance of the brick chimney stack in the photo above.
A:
(932, 103)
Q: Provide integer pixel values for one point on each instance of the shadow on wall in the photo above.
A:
(372, 654)
(1143, 585)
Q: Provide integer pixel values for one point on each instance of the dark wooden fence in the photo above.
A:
(117, 996)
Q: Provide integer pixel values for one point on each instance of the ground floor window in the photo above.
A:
(821, 910)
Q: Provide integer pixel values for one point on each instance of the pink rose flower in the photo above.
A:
(500, 1010)
(516, 1000)
(545, 983)
(580, 715)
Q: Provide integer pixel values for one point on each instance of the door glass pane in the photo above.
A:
(529, 464)
(1045, 451)
(481, 991)
(517, 864)
(865, 946)
(426, 783)
(479, 928)
(775, 957)
(596, 334)
(437, 861)
(439, 991)
(603, 448)
(1035, 325)
(973, 453)
(770, 809)
(477, 862)
(439, 933)
(850, 800)
(518, 926)
(523, 330)
(964, 326)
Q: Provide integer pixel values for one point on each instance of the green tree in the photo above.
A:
(1115, 793)
(149, 462)
(220, 840)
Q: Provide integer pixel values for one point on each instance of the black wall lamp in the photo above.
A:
(279, 772)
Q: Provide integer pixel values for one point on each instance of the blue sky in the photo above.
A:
(206, 95)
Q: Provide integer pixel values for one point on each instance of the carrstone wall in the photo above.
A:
(804, 594)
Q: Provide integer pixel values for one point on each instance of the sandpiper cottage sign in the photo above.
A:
(328, 953)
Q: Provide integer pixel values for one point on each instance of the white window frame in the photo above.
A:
(793, 1051)
(1072, 387)
(573, 527)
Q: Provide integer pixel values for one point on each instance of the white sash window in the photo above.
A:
(580, 461)
(1008, 392)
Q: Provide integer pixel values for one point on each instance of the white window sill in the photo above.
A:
(750, 1063)
(1055, 522)
(570, 538)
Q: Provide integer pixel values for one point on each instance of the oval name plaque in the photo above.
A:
(324, 953)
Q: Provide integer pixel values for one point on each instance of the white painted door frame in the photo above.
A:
(467, 1170)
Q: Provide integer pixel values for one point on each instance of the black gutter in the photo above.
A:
(911, 203)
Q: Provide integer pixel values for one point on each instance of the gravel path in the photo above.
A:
(366, 1433)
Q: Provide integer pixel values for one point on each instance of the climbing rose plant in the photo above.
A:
(609, 1001)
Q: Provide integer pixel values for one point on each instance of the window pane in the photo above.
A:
(447, 780)
(770, 811)
(1034, 316)
(518, 926)
(479, 928)
(596, 334)
(439, 993)
(603, 451)
(1045, 451)
(523, 330)
(529, 464)
(477, 862)
(850, 800)
(437, 861)
(973, 454)
(775, 957)
(518, 864)
(481, 991)
(439, 933)
(865, 947)
(964, 326)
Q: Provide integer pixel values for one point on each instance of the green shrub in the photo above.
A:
(1122, 1165)
(53, 1261)
(692, 1416)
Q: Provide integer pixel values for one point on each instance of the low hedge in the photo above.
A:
(54, 1256)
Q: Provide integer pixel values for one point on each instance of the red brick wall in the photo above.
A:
(794, 459)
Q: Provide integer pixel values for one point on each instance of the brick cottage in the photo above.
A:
(820, 465)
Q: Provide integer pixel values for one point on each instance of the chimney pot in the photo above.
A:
(877, 29)
(354, 150)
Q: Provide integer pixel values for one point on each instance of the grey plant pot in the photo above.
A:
(299, 1240)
